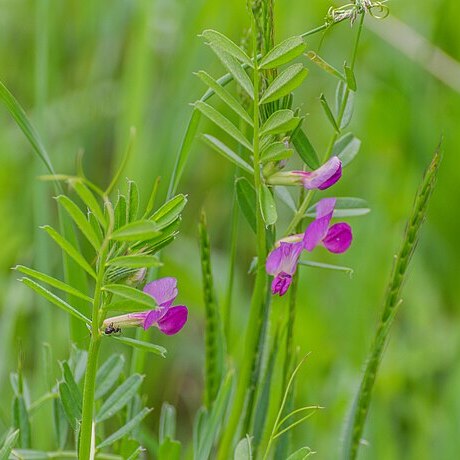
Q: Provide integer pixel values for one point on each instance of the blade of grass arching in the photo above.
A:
(355, 424)
(214, 337)
(73, 274)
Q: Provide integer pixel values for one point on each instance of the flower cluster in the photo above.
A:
(168, 318)
(283, 260)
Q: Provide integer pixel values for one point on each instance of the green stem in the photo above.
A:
(391, 304)
(257, 301)
(89, 387)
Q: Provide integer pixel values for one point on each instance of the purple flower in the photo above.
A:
(322, 178)
(168, 318)
(282, 261)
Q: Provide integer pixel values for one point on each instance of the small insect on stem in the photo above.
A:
(110, 329)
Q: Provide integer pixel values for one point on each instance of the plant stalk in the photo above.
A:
(258, 296)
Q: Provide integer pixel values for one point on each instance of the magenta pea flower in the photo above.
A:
(283, 260)
(322, 178)
(282, 263)
(168, 318)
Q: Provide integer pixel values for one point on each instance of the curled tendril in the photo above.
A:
(350, 11)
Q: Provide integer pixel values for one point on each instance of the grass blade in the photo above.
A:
(356, 421)
(20, 117)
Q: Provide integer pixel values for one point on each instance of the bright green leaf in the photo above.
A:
(21, 421)
(120, 212)
(329, 114)
(280, 121)
(225, 96)
(55, 299)
(243, 449)
(237, 71)
(220, 41)
(226, 152)
(80, 220)
(346, 148)
(132, 294)
(89, 199)
(132, 201)
(148, 347)
(135, 261)
(52, 282)
(108, 374)
(275, 152)
(170, 211)
(320, 62)
(140, 230)
(223, 123)
(71, 408)
(283, 53)
(120, 397)
(305, 149)
(345, 207)
(350, 76)
(71, 251)
(267, 206)
(8, 444)
(125, 429)
(246, 197)
(286, 82)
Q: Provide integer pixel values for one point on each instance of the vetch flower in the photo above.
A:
(168, 318)
(322, 178)
(282, 263)
(283, 260)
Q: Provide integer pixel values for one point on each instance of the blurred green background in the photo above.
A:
(86, 71)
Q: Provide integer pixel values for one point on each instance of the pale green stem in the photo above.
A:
(89, 386)
(257, 301)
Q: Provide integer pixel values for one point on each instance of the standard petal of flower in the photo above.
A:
(338, 238)
(173, 320)
(163, 290)
(316, 231)
(323, 177)
(325, 206)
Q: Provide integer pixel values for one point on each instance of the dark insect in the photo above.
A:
(111, 330)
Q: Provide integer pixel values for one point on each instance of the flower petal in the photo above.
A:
(281, 283)
(325, 206)
(284, 258)
(173, 320)
(316, 231)
(163, 290)
(338, 238)
(153, 316)
(323, 177)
